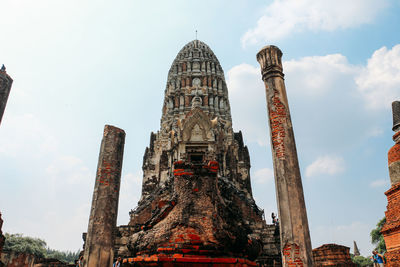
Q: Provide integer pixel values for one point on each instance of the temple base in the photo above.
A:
(186, 261)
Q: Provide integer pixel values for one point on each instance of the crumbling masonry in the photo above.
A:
(295, 235)
(100, 237)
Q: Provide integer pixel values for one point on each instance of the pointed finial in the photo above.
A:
(196, 34)
(3, 68)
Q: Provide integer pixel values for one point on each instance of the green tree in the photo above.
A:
(377, 237)
(29, 245)
(65, 256)
(25, 244)
(361, 261)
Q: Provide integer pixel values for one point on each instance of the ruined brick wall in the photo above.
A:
(14, 259)
(332, 255)
(391, 229)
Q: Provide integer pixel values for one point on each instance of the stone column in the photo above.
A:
(295, 235)
(5, 88)
(2, 238)
(391, 229)
(103, 215)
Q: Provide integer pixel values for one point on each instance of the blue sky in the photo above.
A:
(78, 65)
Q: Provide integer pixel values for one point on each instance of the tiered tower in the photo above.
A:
(197, 204)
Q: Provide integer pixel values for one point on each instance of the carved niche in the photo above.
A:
(197, 127)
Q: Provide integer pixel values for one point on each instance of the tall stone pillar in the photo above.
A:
(2, 238)
(391, 229)
(103, 215)
(5, 88)
(295, 235)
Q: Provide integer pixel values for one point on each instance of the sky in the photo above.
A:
(78, 65)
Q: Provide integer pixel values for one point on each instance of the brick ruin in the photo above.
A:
(391, 229)
(332, 255)
(16, 259)
(197, 205)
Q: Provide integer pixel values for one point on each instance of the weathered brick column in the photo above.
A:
(103, 214)
(295, 235)
(2, 238)
(391, 229)
(5, 88)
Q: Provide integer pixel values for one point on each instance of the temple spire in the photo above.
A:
(356, 251)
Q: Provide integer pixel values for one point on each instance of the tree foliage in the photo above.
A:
(25, 244)
(361, 261)
(377, 237)
(65, 256)
(38, 247)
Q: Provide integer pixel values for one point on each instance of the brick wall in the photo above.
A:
(332, 255)
(391, 229)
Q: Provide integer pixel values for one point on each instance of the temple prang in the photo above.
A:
(100, 238)
(391, 228)
(294, 231)
(5, 88)
(197, 205)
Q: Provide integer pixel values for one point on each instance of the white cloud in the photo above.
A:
(247, 100)
(24, 135)
(71, 169)
(325, 165)
(374, 132)
(380, 183)
(316, 75)
(284, 17)
(329, 93)
(379, 81)
(344, 235)
(312, 83)
(130, 192)
(264, 176)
